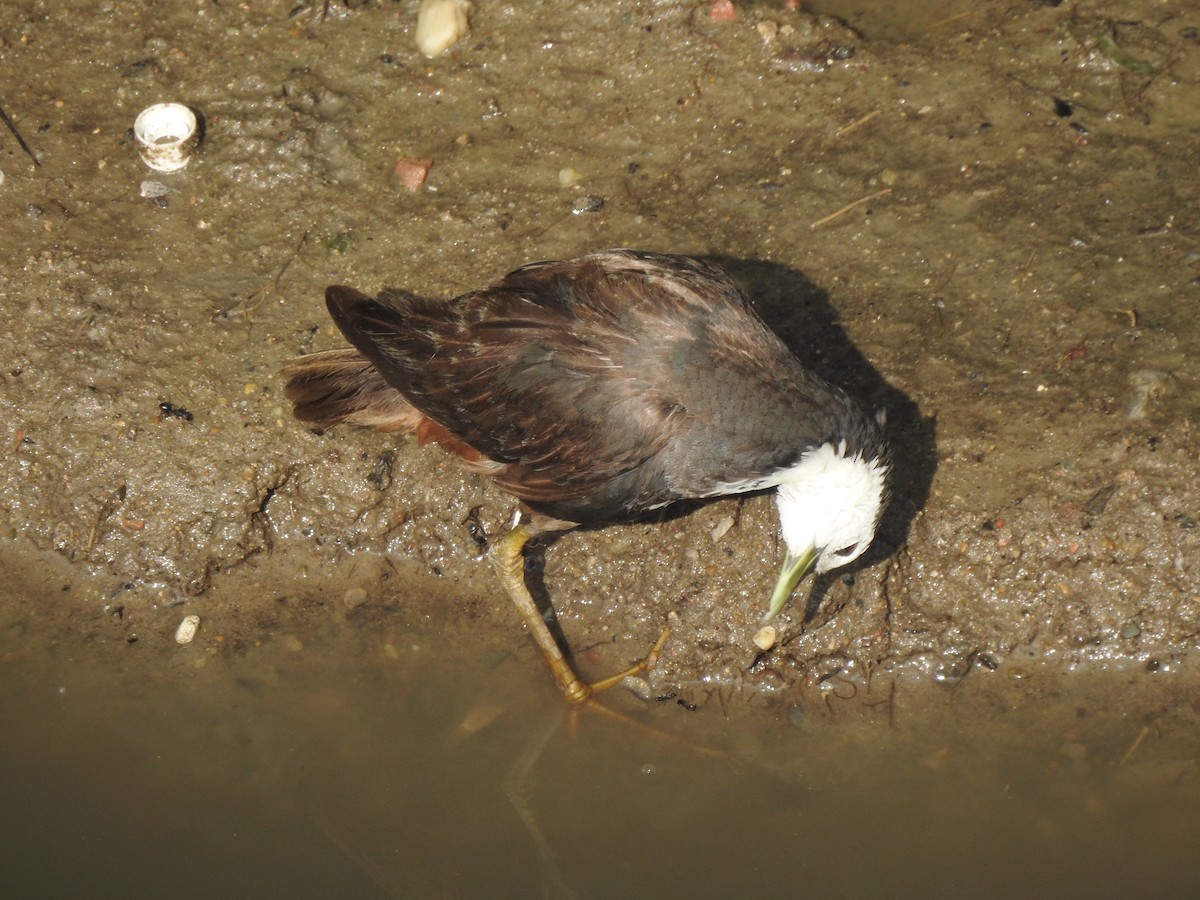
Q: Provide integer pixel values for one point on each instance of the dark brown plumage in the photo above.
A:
(593, 389)
(576, 377)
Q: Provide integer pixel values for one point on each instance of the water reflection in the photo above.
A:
(383, 769)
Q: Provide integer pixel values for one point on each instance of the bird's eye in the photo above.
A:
(846, 551)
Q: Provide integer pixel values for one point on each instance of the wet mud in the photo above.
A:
(980, 222)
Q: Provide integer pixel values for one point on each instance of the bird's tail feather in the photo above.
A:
(339, 386)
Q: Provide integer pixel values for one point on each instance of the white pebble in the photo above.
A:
(721, 528)
(187, 629)
(441, 24)
(764, 638)
(354, 598)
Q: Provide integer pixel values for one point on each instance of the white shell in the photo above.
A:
(187, 629)
(441, 24)
(166, 134)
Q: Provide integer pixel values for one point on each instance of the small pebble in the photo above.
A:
(186, 632)
(476, 720)
(354, 598)
(412, 171)
(639, 687)
(589, 203)
(722, 11)
(721, 528)
(764, 638)
(440, 25)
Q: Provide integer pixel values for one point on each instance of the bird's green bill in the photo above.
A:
(794, 570)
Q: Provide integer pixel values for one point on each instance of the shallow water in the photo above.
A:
(375, 762)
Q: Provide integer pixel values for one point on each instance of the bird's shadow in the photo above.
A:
(801, 313)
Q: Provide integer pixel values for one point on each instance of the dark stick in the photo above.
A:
(12, 126)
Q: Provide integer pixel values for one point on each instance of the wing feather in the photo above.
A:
(604, 385)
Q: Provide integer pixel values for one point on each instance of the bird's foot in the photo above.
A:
(644, 665)
(508, 558)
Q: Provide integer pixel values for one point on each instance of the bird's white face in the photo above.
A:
(829, 505)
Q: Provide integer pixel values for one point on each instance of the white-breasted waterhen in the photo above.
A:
(598, 389)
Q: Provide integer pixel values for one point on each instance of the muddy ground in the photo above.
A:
(984, 224)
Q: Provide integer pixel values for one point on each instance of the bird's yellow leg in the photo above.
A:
(509, 560)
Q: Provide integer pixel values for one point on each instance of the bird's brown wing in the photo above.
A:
(735, 404)
(534, 373)
(606, 385)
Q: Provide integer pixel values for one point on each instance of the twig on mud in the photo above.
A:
(1137, 742)
(12, 126)
(942, 22)
(849, 206)
(857, 123)
(274, 282)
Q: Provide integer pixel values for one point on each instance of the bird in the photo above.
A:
(599, 389)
